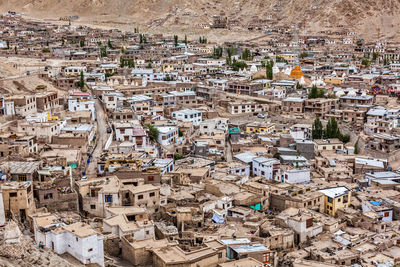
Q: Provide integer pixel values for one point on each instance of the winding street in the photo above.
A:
(101, 139)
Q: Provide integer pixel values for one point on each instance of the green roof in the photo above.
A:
(234, 130)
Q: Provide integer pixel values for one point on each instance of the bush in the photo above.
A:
(153, 132)
(178, 156)
(41, 87)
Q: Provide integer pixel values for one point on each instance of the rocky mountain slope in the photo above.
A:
(370, 18)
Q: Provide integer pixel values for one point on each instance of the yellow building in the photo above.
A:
(167, 68)
(333, 80)
(258, 127)
(335, 198)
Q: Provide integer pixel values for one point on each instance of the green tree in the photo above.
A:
(317, 129)
(303, 54)
(238, 65)
(62, 41)
(345, 138)
(186, 40)
(121, 62)
(109, 44)
(82, 43)
(176, 40)
(385, 61)
(356, 148)
(316, 92)
(15, 50)
(8, 44)
(82, 81)
(332, 129)
(269, 71)
(153, 132)
(246, 54)
(365, 62)
(374, 56)
(217, 53)
(178, 156)
(313, 92)
(103, 51)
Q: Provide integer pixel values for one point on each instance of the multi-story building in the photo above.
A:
(167, 135)
(244, 107)
(320, 106)
(188, 115)
(24, 105)
(18, 199)
(335, 198)
(77, 239)
(81, 102)
(266, 167)
(126, 131)
(293, 105)
(47, 101)
(243, 88)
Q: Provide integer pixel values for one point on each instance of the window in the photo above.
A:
(339, 199)
(345, 198)
(330, 200)
(386, 214)
(147, 232)
(48, 196)
(140, 197)
(13, 194)
(92, 207)
(219, 255)
(150, 178)
(309, 223)
(90, 250)
(152, 194)
(108, 198)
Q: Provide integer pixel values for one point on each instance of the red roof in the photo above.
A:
(80, 94)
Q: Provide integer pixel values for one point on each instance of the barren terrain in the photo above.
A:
(371, 19)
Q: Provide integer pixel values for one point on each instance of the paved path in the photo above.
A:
(101, 139)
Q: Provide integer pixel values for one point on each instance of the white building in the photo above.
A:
(188, 115)
(301, 131)
(219, 206)
(81, 102)
(128, 220)
(127, 131)
(166, 165)
(167, 135)
(74, 70)
(214, 126)
(296, 176)
(77, 239)
(266, 167)
(302, 222)
(112, 100)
